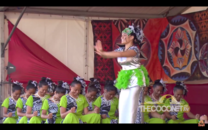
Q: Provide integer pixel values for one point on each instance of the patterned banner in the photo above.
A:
(103, 68)
(174, 48)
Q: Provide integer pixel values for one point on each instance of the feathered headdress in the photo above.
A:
(34, 83)
(21, 85)
(97, 85)
(184, 86)
(164, 85)
(139, 33)
(84, 85)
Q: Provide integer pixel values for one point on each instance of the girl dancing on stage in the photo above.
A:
(133, 75)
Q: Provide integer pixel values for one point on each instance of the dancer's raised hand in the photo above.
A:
(98, 46)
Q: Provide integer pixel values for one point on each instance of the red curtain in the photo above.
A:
(33, 62)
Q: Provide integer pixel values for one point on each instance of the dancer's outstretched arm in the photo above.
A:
(112, 54)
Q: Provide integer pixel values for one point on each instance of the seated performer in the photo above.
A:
(9, 104)
(159, 87)
(177, 116)
(93, 92)
(52, 106)
(73, 104)
(155, 116)
(34, 102)
(51, 88)
(146, 114)
(108, 104)
(21, 103)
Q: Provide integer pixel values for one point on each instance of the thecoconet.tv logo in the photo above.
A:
(159, 106)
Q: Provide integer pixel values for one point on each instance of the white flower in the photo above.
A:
(164, 85)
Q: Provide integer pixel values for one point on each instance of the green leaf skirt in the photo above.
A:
(124, 77)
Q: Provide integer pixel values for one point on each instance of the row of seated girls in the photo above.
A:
(48, 103)
(179, 91)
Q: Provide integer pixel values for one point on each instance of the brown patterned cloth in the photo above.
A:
(103, 68)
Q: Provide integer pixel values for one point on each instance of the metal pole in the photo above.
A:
(1, 62)
(86, 49)
(2, 54)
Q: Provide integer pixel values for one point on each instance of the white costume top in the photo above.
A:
(130, 63)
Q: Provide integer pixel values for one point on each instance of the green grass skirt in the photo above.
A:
(124, 77)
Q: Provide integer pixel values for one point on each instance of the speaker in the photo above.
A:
(10, 68)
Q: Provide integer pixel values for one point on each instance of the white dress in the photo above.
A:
(129, 98)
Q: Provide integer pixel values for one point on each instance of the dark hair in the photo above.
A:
(52, 87)
(91, 88)
(148, 91)
(180, 86)
(75, 82)
(149, 87)
(135, 40)
(93, 85)
(158, 83)
(16, 87)
(30, 85)
(109, 86)
(43, 82)
(137, 30)
(59, 88)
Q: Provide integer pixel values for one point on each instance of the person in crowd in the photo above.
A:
(51, 87)
(9, 104)
(93, 92)
(139, 113)
(154, 116)
(34, 102)
(21, 102)
(107, 104)
(74, 104)
(179, 91)
(52, 105)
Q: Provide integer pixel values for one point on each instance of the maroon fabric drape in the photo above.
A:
(104, 68)
(33, 62)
